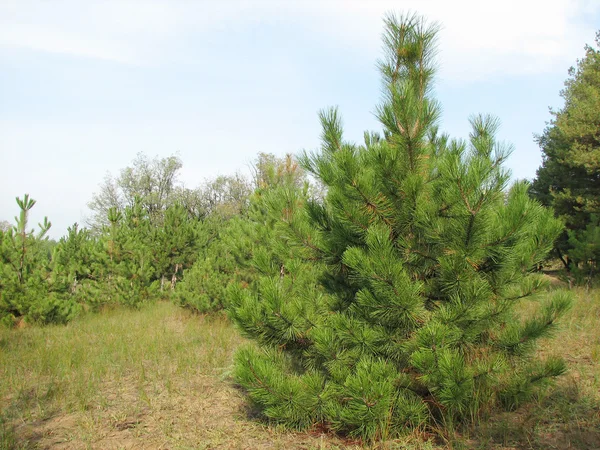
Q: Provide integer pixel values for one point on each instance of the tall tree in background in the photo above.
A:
(152, 183)
(569, 178)
(391, 303)
(226, 196)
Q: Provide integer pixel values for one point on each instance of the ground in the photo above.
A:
(159, 378)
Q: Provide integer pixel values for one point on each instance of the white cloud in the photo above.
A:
(122, 31)
(52, 40)
(478, 38)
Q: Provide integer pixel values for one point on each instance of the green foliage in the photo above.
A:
(175, 244)
(137, 260)
(568, 179)
(151, 184)
(391, 303)
(128, 258)
(146, 231)
(74, 260)
(224, 259)
(27, 290)
(584, 247)
(226, 196)
(238, 236)
(132, 261)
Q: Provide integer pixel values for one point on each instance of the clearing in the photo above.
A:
(159, 378)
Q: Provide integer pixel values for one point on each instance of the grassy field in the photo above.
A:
(567, 416)
(159, 378)
(155, 378)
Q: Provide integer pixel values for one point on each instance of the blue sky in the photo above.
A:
(86, 85)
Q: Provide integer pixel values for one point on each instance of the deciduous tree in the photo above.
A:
(152, 183)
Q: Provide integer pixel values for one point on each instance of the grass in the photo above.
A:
(155, 378)
(566, 416)
(159, 378)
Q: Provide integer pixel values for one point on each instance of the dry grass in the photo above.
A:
(156, 378)
(567, 416)
(159, 378)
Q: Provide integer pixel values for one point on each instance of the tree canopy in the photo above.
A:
(150, 182)
(569, 178)
(390, 304)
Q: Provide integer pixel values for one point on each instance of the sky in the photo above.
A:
(87, 85)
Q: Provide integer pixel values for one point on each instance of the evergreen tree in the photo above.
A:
(27, 290)
(222, 260)
(175, 244)
(74, 259)
(569, 178)
(237, 235)
(124, 265)
(392, 303)
(135, 267)
(132, 261)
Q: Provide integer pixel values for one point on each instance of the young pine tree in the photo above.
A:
(176, 243)
(124, 266)
(393, 303)
(27, 289)
(236, 243)
(74, 259)
(223, 259)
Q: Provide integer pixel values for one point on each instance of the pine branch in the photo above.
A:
(370, 205)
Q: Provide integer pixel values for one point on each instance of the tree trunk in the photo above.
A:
(565, 262)
(174, 277)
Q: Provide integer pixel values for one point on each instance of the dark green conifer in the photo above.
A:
(569, 178)
(74, 260)
(175, 245)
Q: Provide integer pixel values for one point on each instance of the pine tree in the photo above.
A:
(222, 259)
(569, 178)
(136, 269)
(27, 290)
(124, 266)
(74, 259)
(392, 303)
(175, 245)
(234, 239)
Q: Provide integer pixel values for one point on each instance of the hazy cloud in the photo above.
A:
(86, 85)
(478, 39)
